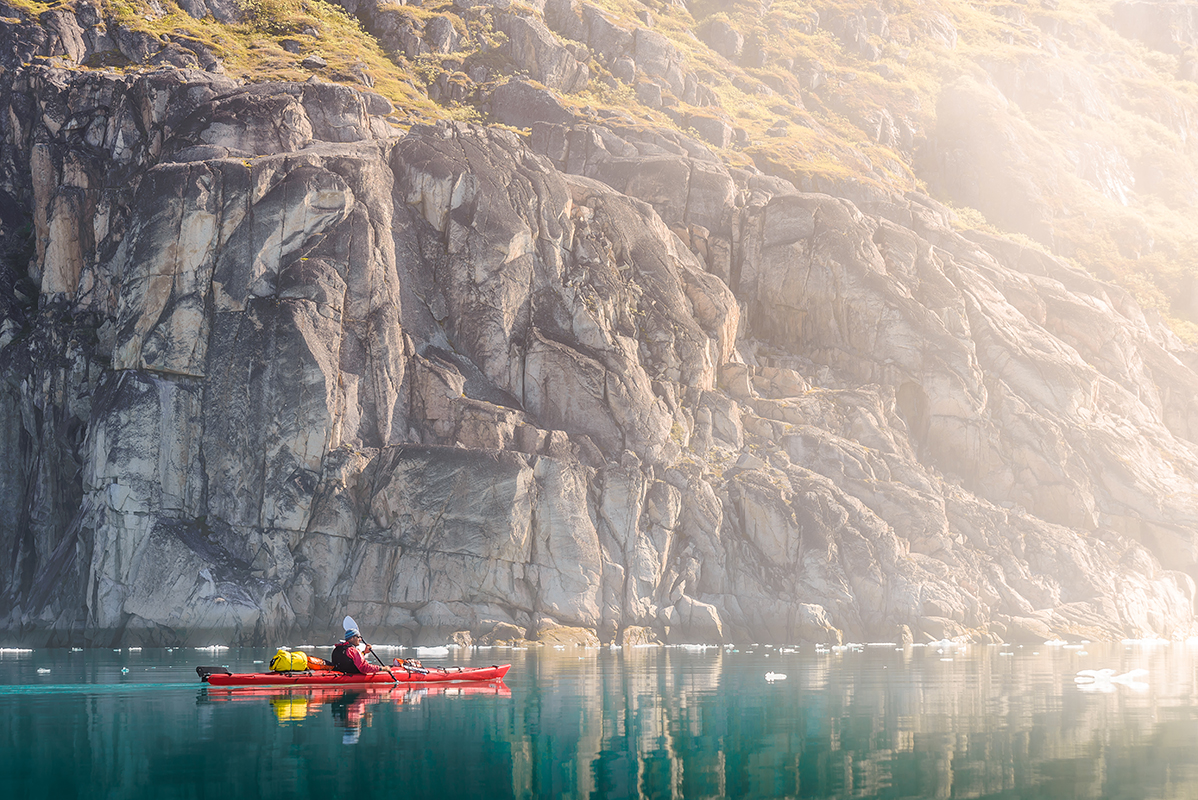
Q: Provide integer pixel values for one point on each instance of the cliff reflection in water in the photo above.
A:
(874, 722)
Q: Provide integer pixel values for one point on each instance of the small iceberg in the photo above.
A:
(432, 651)
(774, 676)
(43, 670)
(1105, 680)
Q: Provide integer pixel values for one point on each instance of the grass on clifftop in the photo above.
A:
(253, 50)
(837, 95)
(1105, 119)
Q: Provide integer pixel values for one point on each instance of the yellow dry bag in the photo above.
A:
(289, 661)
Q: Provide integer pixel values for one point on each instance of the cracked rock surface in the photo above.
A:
(266, 361)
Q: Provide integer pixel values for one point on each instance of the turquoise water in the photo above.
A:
(872, 722)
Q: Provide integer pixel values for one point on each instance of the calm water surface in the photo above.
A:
(985, 722)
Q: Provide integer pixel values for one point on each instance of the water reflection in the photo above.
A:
(924, 722)
(919, 722)
(350, 706)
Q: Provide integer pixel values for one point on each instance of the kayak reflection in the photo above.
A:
(350, 706)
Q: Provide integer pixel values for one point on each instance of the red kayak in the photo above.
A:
(374, 692)
(219, 676)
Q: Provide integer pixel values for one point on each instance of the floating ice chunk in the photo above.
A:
(1073, 647)
(213, 648)
(14, 650)
(124, 670)
(1055, 642)
(774, 676)
(42, 670)
(432, 651)
(1105, 680)
(881, 644)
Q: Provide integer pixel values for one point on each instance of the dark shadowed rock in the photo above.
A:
(520, 104)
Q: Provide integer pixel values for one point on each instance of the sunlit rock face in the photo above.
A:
(286, 362)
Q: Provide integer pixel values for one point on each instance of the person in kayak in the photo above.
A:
(349, 659)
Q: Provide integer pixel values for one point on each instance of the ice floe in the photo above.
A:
(432, 651)
(1105, 680)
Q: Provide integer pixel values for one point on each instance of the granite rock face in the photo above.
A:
(267, 361)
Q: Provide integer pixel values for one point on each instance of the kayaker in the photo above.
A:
(349, 659)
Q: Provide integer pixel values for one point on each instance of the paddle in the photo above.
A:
(349, 624)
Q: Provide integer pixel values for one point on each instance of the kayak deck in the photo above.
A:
(221, 677)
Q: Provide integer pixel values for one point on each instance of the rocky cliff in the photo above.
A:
(276, 352)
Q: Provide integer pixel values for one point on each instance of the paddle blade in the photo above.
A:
(348, 624)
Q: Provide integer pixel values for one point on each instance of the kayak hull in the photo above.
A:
(374, 692)
(330, 678)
